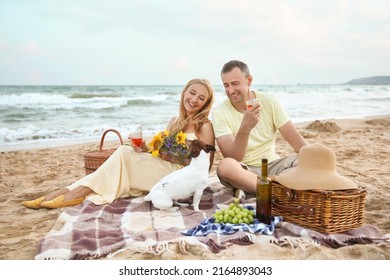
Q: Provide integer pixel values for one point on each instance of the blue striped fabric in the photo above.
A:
(208, 226)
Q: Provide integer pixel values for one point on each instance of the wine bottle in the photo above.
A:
(264, 194)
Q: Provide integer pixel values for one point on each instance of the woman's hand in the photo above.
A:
(142, 149)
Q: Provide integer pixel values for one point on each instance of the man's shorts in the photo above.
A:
(274, 168)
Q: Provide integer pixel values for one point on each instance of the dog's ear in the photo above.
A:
(209, 148)
(193, 153)
(194, 148)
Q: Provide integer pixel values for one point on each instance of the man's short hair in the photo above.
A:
(229, 66)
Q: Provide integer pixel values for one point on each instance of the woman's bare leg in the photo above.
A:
(73, 197)
(56, 193)
(79, 192)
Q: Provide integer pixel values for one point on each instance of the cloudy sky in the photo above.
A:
(108, 42)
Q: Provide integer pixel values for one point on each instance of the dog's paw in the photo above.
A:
(240, 194)
(172, 209)
(181, 204)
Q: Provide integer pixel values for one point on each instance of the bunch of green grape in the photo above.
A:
(234, 214)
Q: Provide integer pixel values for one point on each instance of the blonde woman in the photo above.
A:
(124, 174)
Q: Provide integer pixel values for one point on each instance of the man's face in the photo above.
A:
(236, 85)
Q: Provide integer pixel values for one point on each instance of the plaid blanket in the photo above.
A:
(91, 231)
(88, 231)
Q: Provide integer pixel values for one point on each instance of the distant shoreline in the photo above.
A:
(375, 80)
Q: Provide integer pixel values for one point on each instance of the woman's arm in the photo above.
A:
(206, 134)
(145, 147)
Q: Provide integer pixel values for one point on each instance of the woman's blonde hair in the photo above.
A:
(201, 116)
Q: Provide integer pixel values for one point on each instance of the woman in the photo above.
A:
(127, 173)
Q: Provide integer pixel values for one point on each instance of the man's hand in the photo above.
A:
(251, 117)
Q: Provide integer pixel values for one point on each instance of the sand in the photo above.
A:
(363, 155)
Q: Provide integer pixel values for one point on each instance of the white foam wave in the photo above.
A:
(41, 114)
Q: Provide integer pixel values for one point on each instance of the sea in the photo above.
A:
(45, 116)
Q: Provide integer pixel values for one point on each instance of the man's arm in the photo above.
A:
(235, 147)
(292, 136)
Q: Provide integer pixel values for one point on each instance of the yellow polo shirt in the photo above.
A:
(261, 144)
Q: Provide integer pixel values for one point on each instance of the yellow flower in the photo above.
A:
(154, 145)
(166, 143)
(181, 138)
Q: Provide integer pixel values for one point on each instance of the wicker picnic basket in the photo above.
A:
(92, 160)
(321, 210)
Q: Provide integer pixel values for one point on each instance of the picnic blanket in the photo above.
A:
(88, 231)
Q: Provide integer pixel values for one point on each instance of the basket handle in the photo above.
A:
(301, 209)
(104, 135)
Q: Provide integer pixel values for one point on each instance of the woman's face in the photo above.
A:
(195, 97)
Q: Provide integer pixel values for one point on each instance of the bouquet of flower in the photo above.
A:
(170, 146)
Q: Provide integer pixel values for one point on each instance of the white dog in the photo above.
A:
(184, 183)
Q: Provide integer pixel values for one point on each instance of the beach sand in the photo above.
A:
(362, 147)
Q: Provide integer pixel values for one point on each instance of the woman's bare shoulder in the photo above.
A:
(171, 122)
(206, 133)
(207, 124)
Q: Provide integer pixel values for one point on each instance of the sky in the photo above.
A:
(141, 42)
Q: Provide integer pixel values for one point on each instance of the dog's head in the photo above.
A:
(196, 146)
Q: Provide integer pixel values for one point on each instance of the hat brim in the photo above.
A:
(299, 179)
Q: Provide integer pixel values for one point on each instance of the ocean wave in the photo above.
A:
(170, 93)
(43, 114)
(142, 102)
(146, 102)
(23, 134)
(39, 133)
(80, 95)
(49, 102)
(29, 98)
(15, 117)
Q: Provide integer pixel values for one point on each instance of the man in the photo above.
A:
(245, 136)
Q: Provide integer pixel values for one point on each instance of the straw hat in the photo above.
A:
(316, 169)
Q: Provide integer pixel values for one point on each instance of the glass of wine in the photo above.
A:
(250, 101)
(136, 139)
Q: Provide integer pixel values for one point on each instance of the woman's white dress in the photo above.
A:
(126, 173)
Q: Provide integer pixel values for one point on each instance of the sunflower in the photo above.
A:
(154, 145)
(181, 138)
(166, 143)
